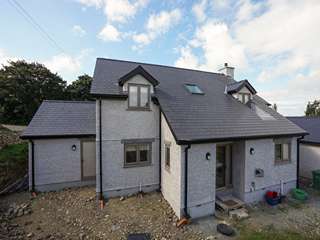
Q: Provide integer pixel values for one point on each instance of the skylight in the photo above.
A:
(194, 89)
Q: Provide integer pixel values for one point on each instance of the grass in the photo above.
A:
(13, 162)
(269, 233)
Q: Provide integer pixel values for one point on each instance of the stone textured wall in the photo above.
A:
(55, 162)
(118, 124)
(171, 178)
(201, 179)
(273, 173)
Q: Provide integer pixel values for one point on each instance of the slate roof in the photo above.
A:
(311, 125)
(236, 86)
(62, 118)
(214, 116)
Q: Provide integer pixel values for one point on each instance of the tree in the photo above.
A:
(80, 88)
(23, 86)
(313, 108)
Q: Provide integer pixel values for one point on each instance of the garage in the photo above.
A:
(62, 145)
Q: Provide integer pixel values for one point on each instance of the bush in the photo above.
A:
(13, 163)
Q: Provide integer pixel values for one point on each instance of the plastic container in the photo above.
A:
(272, 198)
(316, 179)
(299, 194)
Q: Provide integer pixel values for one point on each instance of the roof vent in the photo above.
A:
(228, 71)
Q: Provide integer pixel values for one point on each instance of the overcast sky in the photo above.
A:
(274, 43)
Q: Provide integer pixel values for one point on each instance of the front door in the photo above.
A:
(221, 167)
(88, 159)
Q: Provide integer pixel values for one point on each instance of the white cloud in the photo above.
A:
(199, 9)
(122, 10)
(157, 25)
(217, 45)
(67, 65)
(109, 33)
(92, 3)
(78, 31)
(293, 97)
(247, 10)
(187, 59)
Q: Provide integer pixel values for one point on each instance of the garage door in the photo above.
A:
(88, 159)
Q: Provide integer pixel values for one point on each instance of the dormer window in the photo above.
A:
(139, 96)
(244, 97)
(242, 91)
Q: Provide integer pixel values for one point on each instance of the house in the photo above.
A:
(309, 146)
(193, 135)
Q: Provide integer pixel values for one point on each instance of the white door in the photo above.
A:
(88, 159)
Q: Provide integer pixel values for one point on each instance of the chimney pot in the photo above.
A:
(228, 71)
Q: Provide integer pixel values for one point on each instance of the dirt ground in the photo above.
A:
(73, 214)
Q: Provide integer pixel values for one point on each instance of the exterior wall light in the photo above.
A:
(208, 156)
(73, 147)
(251, 151)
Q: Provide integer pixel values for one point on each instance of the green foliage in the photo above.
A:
(247, 233)
(313, 108)
(13, 162)
(80, 88)
(23, 86)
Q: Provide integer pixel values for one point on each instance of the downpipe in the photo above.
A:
(101, 198)
(298, 160)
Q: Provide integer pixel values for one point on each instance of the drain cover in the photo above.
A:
(139, 236)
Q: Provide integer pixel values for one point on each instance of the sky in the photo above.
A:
(272, 43)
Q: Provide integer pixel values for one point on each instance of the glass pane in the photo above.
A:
(285, 151)
(278, 152)
(144, 96)
(246, 98)
(133, 96)
(221, 166)
(193, 88)
(131, 154)
(144, 153)
(168, 156)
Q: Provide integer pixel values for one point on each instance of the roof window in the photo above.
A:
(194, 89)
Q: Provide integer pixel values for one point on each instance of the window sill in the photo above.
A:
(139, 109)
(148, 164)
(280, 163)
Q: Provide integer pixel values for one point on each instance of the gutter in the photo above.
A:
(33, 192)
(160, 146)
(298, 160)
(186, 214)
(101, 199)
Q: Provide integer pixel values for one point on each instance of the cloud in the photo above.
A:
(187, 59)
(67, 65)
(157, 25)
(215, 41)
(92, 3)
(293, 97)
(109, 33)
(199, 9)
(122, 10)
(78, 31)
(116, 12)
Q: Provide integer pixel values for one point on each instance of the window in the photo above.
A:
(167, 155)
(137, 154)
(194, 89)
(282, 151)
(244, 97)
(139, 96)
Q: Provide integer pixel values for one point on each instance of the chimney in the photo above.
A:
(228, 71)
